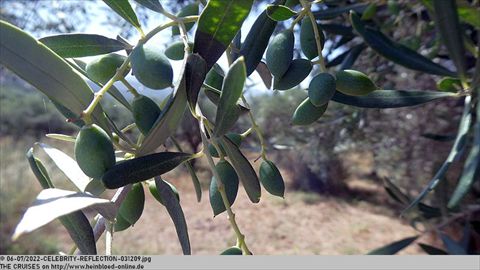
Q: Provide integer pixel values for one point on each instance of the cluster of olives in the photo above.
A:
(288, 73)
(94, 150)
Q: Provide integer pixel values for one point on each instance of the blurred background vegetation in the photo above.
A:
(345, 155)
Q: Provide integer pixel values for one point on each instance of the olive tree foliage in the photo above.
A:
(109, 156)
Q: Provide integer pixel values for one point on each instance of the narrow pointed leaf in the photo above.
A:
(453, 247)
(256, 41)
(352, 56)
(394, 247)
(265, 74)
(143, 168)
(124, 9)
(53, 203)
(195, 72)
(169, 119)
(151, 4)
(454, 154)
(76, 223)
(67, 165)
(80, 231)
(396, 52)
(191, 171)
(431, 250)
(395, 191)
(46, 71)
(337, 29)
(217, 26)
(81, 45)
(244, 169)
(439, 137)
(338, 59)
(471, 168)
(39, 170)
(279, 12)
(446, 19)
(232, 90)
(390, 98)
(237, 44)
(449, 84)
(214, 96)
(176, 213)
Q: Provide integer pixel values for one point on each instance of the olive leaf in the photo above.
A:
(176, 213)
(396, 52)
(151, 4)
(446, 19)
(217, 26)
(453, 247)
(124, 9)
(213, 95)
(390, 98)
(169, 119)
(338, 59)
(431, 250)
(244, 169)
(256, 41)
(195, 72)
(80, 45)
(331, 13)
(76, 223)
(439, 137)
(232, 90)
(81, 232)
(279, 12)
(53, 203)
(39, 170)
(449, 84)
(337, 29)
(394, 247)
(237, 44)
(191, 171)
(154, 191)
(46, 71)
(265, 74)
(67, 165)
(454, 154)
(394, 191)
(471, 168)
(143, 168)
(352, 56)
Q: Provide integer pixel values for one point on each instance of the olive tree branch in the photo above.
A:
(221, 187)
(257, 130)
(120, 74)
(307, 6)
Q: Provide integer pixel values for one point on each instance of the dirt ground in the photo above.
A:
(302, 224)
